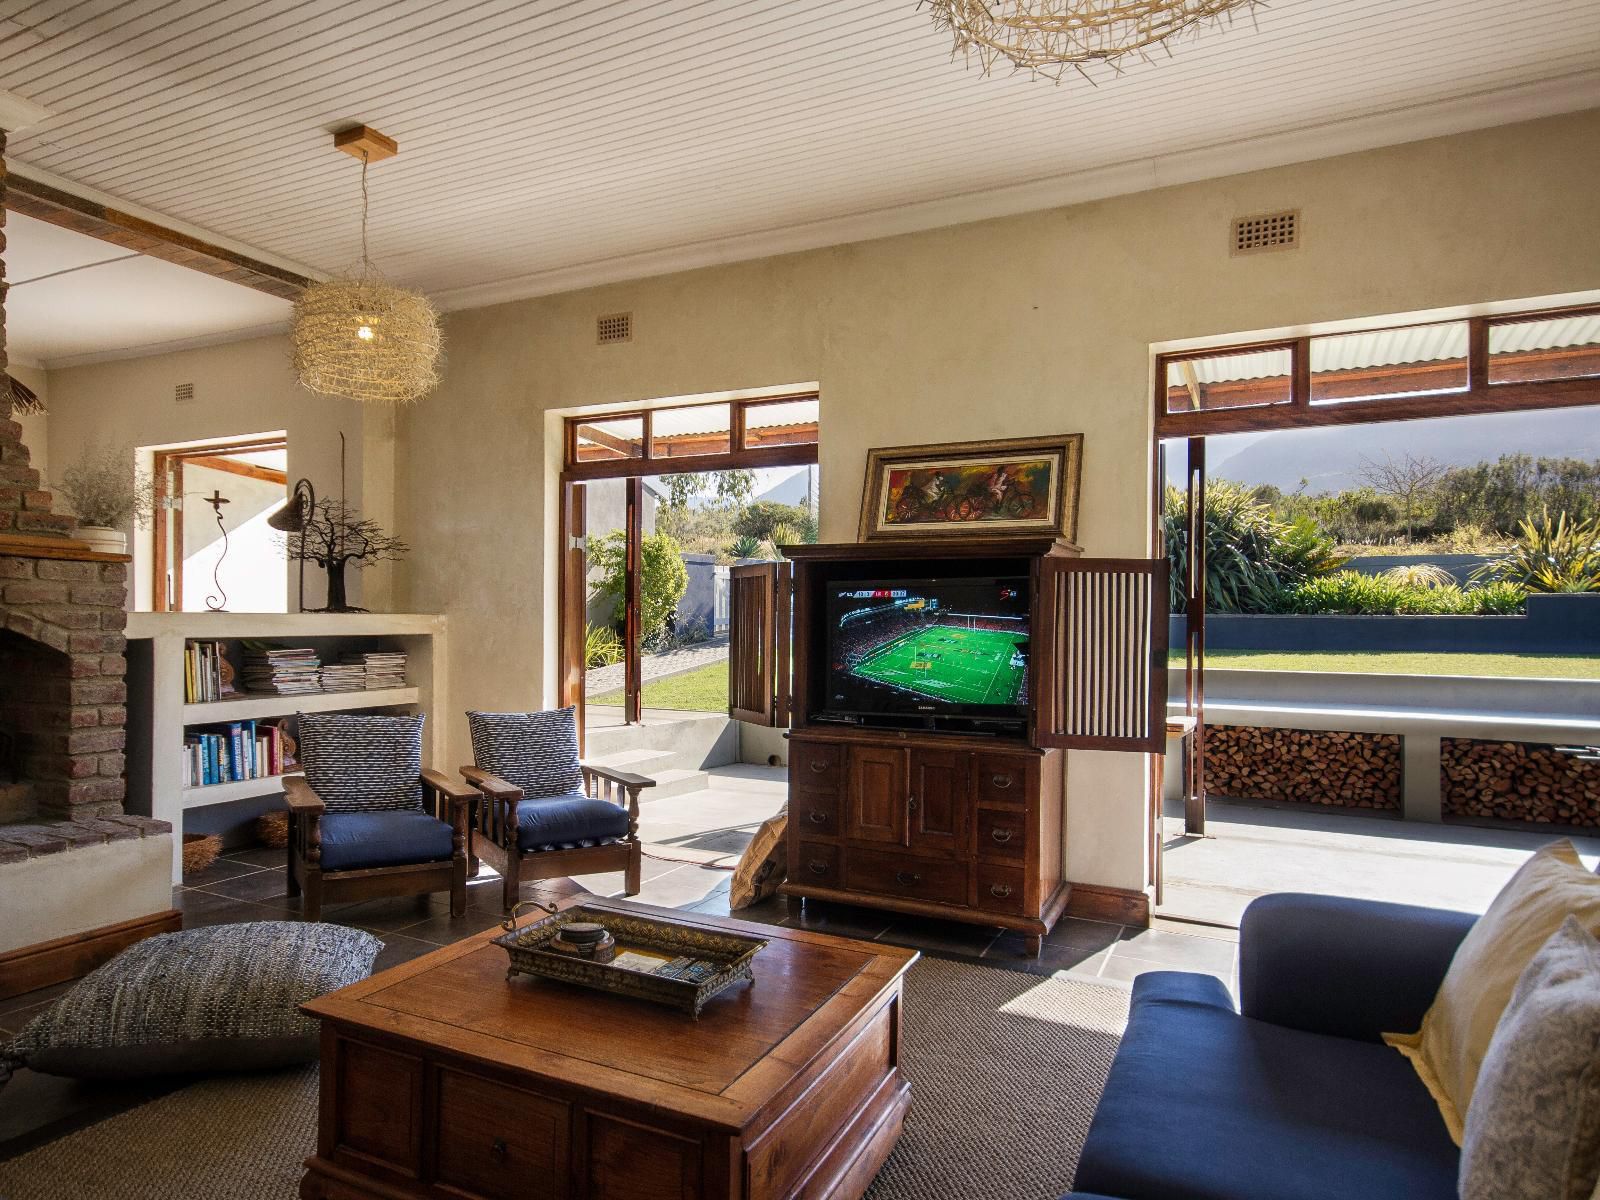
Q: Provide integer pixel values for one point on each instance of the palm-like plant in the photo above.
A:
(1551, 555)
(745, 546)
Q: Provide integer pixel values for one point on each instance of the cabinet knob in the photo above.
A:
(911, 802)
(907, 878)
(1000, 781)
(817, 867)
(1002, 835)
(497, 1149)
(999, 890)
(817, 817)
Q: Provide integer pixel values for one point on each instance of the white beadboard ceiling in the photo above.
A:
(547, 145)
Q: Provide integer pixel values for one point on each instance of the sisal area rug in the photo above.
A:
(1005, 1071)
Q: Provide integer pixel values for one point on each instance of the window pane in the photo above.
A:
(782, 423)
(1420, 359)
(699, 429)
(1553, 348)
(604, 441)
(1245, 380)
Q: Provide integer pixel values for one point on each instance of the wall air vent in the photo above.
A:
(613, 327)
(183, 393)
(1267, 231)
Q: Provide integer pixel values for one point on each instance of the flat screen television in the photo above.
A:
(926, 653)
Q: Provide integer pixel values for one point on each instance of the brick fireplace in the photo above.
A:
(63, 693)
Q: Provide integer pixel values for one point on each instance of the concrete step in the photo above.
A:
(640, 762)
(676, 781)
(692, 742)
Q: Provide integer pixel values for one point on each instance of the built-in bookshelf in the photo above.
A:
(199, 676)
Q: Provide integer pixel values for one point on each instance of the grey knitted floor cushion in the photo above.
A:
(223, 998)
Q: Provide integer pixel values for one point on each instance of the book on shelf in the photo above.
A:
(281, 670)
(208, 673)
(233, 753)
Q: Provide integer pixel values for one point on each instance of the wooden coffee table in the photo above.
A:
(441, 1078)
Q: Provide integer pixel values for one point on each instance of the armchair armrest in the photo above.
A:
(447, 787)
(1349, 968)
(626, 779)
(491, 786)
(302, 800)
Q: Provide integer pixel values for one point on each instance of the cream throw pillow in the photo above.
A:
(1449, 1048)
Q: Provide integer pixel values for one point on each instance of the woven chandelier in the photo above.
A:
(360, 336)
(1053, 37)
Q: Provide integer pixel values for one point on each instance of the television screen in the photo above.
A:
(927, 648)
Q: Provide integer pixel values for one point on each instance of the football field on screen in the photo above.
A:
(963, 666)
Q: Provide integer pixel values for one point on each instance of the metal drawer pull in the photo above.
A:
(911, 802)
(1002, 835)
(819, 766)
(1000, 781)
(907, 878)
(818, 866)
(817, 817)
(999, 890)
(497, 1149)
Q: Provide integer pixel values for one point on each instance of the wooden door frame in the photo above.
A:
(171, 460)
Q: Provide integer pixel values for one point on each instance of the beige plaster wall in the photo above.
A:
(1032, 324)
(240, 388)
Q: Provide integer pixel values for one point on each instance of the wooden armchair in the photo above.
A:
(353, 855)
(549, 837)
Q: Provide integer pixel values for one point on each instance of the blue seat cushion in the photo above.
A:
(353, 840)
(1203, 1104)
(569, 821)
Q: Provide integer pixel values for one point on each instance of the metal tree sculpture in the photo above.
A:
(335, 537)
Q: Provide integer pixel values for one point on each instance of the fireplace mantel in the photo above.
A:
(20, 545)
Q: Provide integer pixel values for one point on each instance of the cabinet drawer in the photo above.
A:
(815, 863)
(1003, 778)
(814, 812)
(1000, 889)
(493, 1140)
(938, 880)
(815, 764)
(1002, 834)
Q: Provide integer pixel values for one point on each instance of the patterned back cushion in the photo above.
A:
(359, 762)
(534, 751)
(224, 998)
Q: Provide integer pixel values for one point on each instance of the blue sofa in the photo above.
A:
(1292, 1096)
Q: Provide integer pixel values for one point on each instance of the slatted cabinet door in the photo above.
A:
(1100, 654)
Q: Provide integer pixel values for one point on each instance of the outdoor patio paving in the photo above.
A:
(1251, 850)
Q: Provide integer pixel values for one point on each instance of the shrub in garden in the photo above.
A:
(663, 580)
(601, 646)
(1251, 556)
(1560, 555)
(1349, 593)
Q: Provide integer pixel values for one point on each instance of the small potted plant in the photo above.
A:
(107, 493)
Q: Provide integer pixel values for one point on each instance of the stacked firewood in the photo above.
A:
(1518, 781)
(1304, 766)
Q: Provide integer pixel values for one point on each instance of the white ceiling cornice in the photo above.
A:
(83, 191)
(1567, 94)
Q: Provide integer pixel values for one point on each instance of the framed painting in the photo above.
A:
(1015, 487)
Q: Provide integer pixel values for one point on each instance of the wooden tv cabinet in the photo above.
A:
(967, 825)
(962, 828)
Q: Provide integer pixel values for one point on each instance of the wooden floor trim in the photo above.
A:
(29, 968)
(1122, 906)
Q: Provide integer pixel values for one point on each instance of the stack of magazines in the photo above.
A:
(343, 677)
(284, 672)
(381, 668)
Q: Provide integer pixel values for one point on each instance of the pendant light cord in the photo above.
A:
(366, 262)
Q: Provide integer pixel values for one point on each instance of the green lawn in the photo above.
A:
(1523, 666)
(705, 689)
(943, 662)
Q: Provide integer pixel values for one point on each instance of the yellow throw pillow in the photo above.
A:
(1455, 1033)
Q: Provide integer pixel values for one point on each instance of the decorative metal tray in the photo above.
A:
(691, 965)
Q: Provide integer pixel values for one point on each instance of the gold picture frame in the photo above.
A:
(1011, 487)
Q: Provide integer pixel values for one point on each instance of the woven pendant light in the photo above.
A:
(1053, 37)
(360, 336)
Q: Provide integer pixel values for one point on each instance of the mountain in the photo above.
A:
(1329, 459)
